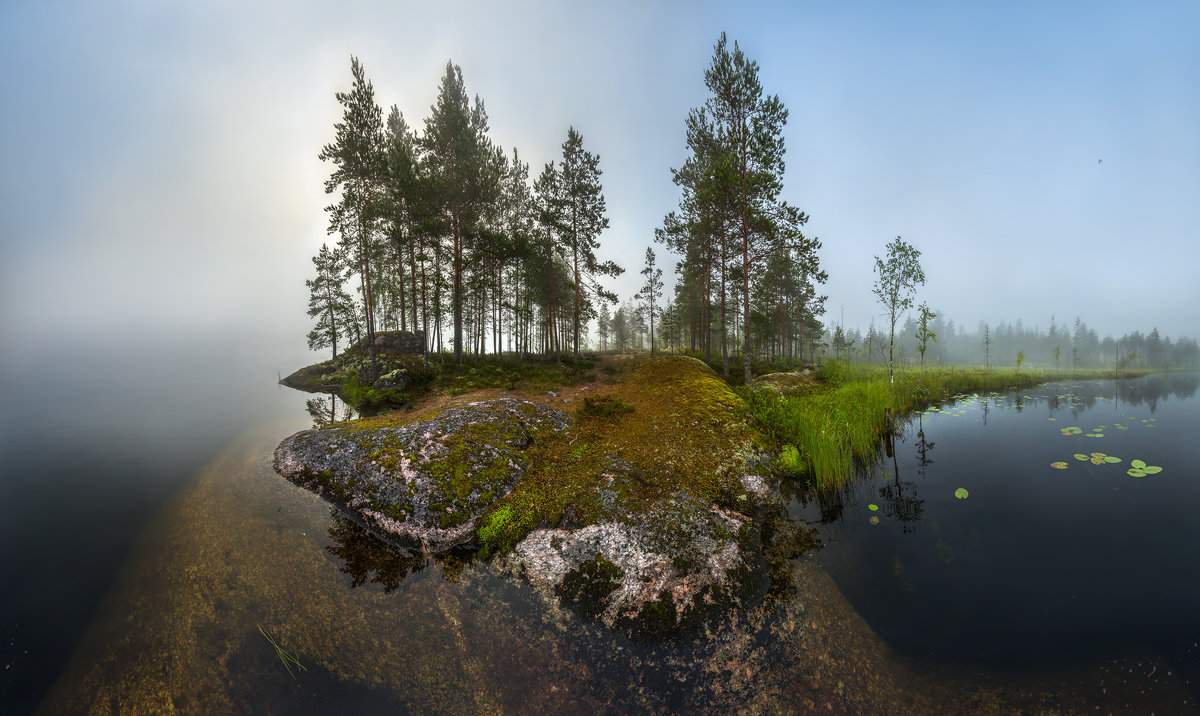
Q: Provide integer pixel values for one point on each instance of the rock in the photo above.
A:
(423, 484)
(400, 341)
(681, 555)
(396, 380)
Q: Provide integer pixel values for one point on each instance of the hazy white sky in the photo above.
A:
(160, 159)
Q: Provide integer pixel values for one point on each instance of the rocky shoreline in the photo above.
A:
(609, 510)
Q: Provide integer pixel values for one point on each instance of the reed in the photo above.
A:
(843, 418)
(288, 658)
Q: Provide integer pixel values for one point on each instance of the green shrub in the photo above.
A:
(832, 373)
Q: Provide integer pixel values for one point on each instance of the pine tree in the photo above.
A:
(583, 219)
(651, 291)
(328, 301)
(357, 155)
(749, 129)
(466, 176)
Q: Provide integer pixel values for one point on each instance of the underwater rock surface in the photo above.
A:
(423, 484)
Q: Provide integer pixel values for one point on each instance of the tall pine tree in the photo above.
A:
(582, 221)
(357, 155)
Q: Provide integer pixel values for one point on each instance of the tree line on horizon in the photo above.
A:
(1061, 346)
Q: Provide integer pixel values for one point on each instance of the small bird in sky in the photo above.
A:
(1099, 161)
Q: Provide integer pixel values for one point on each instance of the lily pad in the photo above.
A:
(961, 493)
(1059, 465)
(1094, 435)
(1110, 458)
(1097, 461)
(1137, 464)
(1134, 472)
(1080, 456)
(874, 520)
(1152, 469)
(873, 508)
(1098, 454)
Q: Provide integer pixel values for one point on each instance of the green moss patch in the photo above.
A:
(680, 429)
(588, 587)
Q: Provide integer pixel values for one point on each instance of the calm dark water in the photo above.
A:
(94, 440)
(1037, 566)
(145, 540)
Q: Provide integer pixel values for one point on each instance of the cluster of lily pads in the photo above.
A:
(1138, 468)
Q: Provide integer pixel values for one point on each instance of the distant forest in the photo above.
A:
(1064, 346)
(441, 231)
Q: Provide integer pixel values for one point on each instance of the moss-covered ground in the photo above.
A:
(670, 424)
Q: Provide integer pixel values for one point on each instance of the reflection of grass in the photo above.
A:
(844, 420)
(288, 658)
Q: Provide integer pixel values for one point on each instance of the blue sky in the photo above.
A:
(160, 160)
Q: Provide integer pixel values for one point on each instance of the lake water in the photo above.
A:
(1037, 566)
(151, 558)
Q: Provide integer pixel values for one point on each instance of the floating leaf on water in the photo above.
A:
(1137, 464)
(961, 493)
(1081, 456)
(1097, 461)
(1098, 428)
(873, 508)
(1110, 458)
(874, 520)
(1051, 418)
(1097, 454)
(1059, 465)
(1134, 472)
(1095, 435)
(1152, 469)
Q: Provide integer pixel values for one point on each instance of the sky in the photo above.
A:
(159, 170)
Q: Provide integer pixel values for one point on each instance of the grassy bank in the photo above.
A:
(840, 418)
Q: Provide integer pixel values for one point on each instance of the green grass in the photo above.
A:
(843, 420)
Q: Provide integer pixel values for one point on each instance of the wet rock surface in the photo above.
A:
(423, 484)
(678, 557)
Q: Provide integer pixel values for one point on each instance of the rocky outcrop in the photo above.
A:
(680, 556)
(641, 514)
(423, 484)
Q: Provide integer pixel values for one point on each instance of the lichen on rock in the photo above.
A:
(425, 483)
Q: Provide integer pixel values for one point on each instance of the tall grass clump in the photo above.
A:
(844, 419)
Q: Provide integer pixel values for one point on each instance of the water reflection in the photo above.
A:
(324, 411)
(366, 558)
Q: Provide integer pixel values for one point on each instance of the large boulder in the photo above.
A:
(423, 484)
(680, 558)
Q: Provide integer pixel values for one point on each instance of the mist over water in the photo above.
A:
(96, 435)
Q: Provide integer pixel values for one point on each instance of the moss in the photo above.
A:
(603, 407)
(681, 429)
(657, 619)
(398, 512)
(588, 587)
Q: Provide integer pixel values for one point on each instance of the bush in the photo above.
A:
(832, 373)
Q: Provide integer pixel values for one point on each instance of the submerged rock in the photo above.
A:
(423, 484)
